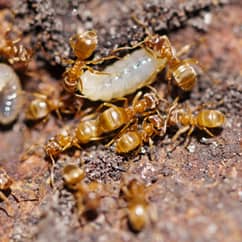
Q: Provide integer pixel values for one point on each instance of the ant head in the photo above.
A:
(160, 44)
(83, 45)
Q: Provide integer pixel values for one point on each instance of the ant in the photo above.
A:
(94, 127)
(86, 195)
(187, 122)
(181, 71)
(11, 50)
(42, 105)
(115, 117)
(139, 212)
(131, 139)
(57, 145)
(83, 45)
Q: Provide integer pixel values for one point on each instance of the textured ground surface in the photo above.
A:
(197, 192)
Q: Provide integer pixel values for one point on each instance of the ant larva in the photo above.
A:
(134, 71)
(11, 97)
(86, 195)
(139, 212)
(183, 118)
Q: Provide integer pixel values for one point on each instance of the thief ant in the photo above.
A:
(42, 105)
(139, 212)
(187, 122)
(181, 71)
(86, 195)
(11, 50)
(132, 138)
(83, 45)
(115, 117)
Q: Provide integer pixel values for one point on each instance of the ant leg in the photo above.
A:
(179, 132)
(185, 49)
(58, 114)
(5, 199)
(67, 61)
(105, 104)
(208, 132)
(187, 140)
(139, 22)
(171, 109)
(189, 61)
(95, 71)
(156, 93)
(52, 171)
(136, 98)
(102, 59)
(122, 131)
(128, 47)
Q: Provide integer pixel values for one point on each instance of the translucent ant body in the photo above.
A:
(87, 131)
(139, 212)
(11, 99)
(97, 126)
(133, 138)
(115, 117)
(129, 74)
(59, 143)
(86, 195)
(41, 107)
(83, 46)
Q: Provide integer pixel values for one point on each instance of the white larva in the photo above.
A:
(124, 77)
(10, 95)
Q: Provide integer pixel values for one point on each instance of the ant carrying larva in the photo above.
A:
(132, 72)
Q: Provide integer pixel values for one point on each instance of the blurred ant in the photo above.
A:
(57, 145)
(83, 45)
(5, 186)
(11, 50)
(86, 195)
(42, 105)
(140, 213)
(187, 122)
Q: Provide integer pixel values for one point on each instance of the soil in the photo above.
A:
(196, 192)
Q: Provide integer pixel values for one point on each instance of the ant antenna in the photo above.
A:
(142, 24)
